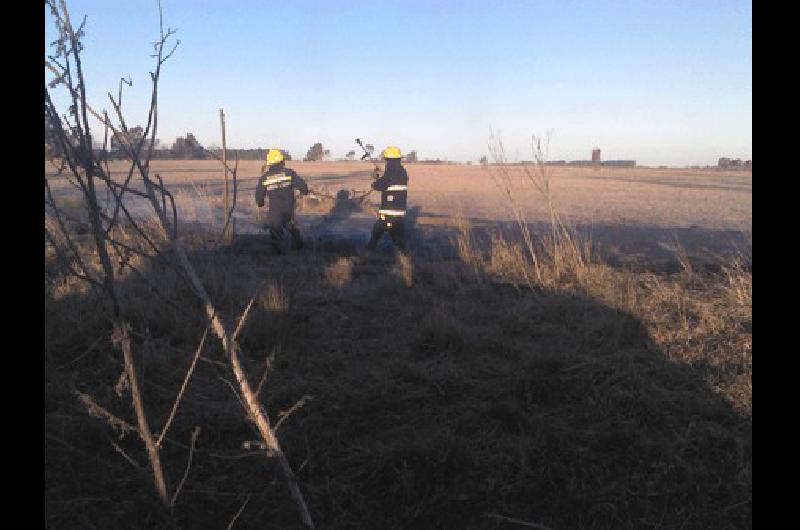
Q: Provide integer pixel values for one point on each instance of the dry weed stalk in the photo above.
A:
(507, 260)
(501, 175)
(683, 258)
(561, 249)
(404, 269)
(739, 275)
(274, 298)
(88, 172)
(467, 248)
(340, 272)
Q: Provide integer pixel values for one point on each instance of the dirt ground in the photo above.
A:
(635, 213)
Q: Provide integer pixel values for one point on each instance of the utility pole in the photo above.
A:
(227, 235)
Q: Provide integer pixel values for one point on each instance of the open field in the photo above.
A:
(628, 212)
(664, 198)
(446, 390)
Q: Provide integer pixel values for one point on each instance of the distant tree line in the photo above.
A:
(734, 163)
(438, 161)
(189, 148)
(183, 148)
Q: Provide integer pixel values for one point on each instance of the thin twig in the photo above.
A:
(517, 521)
(235, 393)
(121, 451)
(286, 413)
(195, 434)
(241, 509)
(267, 369)
(212, 361)
(86, 352)
(183, 388)
(245, 314)
(99, 412)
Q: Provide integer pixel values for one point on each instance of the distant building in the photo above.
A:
(620, 163)
(187, 147)
(596, 156)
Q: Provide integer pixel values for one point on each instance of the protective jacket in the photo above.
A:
(393, 186)
(278, 184)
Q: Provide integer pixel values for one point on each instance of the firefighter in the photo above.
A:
(393, 186)
(278, 183)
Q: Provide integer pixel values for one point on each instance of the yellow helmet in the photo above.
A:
(274, 156)
(391, 152)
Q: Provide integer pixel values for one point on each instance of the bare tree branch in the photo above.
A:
(122, 338)
(86, 171)
(182, 390)
(99, 412)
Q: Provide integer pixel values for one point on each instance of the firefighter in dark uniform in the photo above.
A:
(278, 184)
(393, 186)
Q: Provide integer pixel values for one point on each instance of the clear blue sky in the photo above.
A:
(659, 82)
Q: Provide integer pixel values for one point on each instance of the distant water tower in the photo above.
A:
(596, 156)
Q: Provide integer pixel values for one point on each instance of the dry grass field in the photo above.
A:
(459, 388)
(664, 198)
(628, 212)
(559, 348)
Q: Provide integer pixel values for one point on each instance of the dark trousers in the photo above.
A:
(396, 229)
(279, 221)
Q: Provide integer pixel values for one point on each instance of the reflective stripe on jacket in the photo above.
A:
(278, 184)
(393, 186)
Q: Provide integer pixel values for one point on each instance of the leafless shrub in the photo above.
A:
(501, 174)
(117, 235)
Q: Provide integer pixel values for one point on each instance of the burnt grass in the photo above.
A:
(431, 405)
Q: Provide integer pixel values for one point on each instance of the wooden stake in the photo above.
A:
(227, 235)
